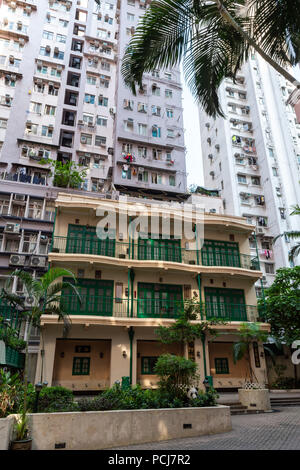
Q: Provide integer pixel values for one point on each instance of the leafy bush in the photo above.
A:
(177, 374)
(9, 388)
(136, 398)
(284, 383)
(53, 399)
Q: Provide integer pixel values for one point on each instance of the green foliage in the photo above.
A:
(282, 305)
(283, 383)
(68, 174)
(176, 374)
(135, 398)
(10, 337)
(53, 399)
(9, 388)
(212, 40)
(183, 331)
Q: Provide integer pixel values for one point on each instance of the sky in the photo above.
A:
(192, 139)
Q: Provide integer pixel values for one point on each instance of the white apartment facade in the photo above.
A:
(253, 158)
(62, 98)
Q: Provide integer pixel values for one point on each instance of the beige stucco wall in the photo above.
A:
(99, 376)
(104, 429)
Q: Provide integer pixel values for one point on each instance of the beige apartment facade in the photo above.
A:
(130, 286)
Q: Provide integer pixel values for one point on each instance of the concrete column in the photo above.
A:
(45, 362)
(134, 360)
(200, 362)
(119, 366)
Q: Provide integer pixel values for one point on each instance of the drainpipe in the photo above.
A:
(52, 241)
(261, 283)
(131, 335)
(200, 294)
(204, 356)
(201, 311)
(131, 274)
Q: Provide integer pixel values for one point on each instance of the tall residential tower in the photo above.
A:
(253, 158)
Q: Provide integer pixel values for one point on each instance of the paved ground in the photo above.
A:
(267, 431)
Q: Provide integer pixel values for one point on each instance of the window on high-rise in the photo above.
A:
(48, 35)
(50, 110)
(168, 93)
(89, 98)
(130, 17)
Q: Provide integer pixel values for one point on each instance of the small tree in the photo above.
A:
(176, 373)
(248, 333)
(282, 305)
(68, 174)
(185, 332)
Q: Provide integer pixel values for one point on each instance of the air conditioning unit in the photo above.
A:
(17, 260)
(83, 140)
(110, 151)
(38, 261)
(212, 211)
(19, 197)
(13, 5)
(260, 230)
(12, 228)
(29, 300)
(113, 110)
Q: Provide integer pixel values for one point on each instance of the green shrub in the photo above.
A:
(55, 399)
(177, 374)
(284, 383)
(135, 398)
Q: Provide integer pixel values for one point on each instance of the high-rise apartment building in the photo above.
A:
(62, 98)
(149, 154)
(253, 158)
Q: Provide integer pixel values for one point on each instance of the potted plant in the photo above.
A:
(22, 440)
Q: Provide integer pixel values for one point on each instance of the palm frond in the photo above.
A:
(62, 315)
(56, 291)
(239, 350)
(276, 28)
(172, 30)
(53, 274)
(292, 235)
(294, 252)
(296, 210)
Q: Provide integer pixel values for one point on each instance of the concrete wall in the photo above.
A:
(6, 430)
(104, 429)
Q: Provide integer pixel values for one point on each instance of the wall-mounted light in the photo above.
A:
(62, 354)
(198, 354)
(124, 354)
(101, 355)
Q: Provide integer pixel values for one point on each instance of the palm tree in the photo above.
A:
(213, 39)
(45, 294)
(293, 235)
(249, 333)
